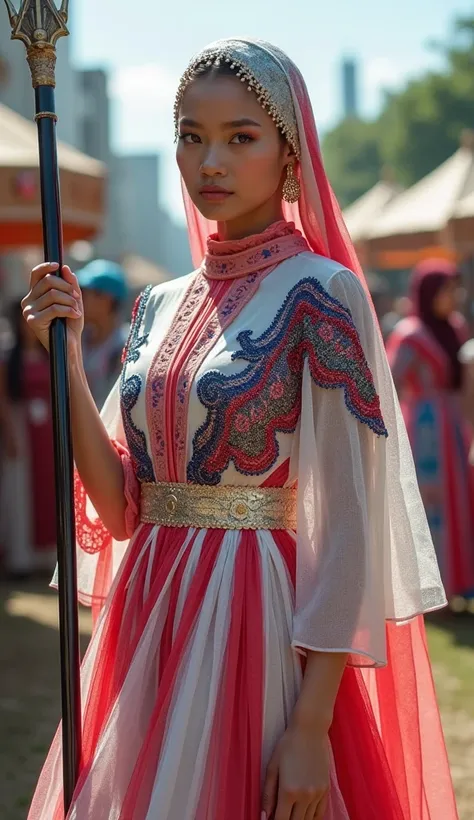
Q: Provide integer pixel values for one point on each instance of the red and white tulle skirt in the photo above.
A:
(190, 679)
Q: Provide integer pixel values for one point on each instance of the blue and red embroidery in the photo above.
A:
(134, 341)
(130, 389)
(247, 410)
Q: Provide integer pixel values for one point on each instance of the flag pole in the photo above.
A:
(39, 24)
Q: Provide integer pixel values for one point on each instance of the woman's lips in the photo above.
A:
(214, 194)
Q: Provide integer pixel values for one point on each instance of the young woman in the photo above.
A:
(246, 661)
(424, 353)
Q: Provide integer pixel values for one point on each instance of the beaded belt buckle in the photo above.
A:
(226, 507)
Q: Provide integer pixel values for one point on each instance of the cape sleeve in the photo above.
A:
(364, 550)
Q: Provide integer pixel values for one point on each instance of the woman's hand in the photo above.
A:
(51, 297)
(297, 781)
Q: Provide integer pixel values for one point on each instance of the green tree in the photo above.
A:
(352, 158)
(459, 54)
(418, 128)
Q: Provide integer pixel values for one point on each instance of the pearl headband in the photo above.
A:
(256, 67)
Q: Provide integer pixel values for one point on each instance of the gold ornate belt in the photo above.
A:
(223, 507)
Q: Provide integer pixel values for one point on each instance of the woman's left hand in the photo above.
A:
(297, 780)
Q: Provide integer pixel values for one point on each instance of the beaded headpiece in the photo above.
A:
(258, 68)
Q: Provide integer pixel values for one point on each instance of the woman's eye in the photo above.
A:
(190, 138)
(241, 139)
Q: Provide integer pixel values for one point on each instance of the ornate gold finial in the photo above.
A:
(39, 24)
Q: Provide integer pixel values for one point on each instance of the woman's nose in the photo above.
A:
(212, 164)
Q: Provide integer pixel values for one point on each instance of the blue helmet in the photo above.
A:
(106, 277)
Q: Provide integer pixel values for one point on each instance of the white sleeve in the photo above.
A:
(364, 550)
(98, 554)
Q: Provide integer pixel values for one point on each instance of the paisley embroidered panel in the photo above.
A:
(245, 411)
(130, 388)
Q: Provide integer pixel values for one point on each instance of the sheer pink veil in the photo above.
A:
(401, 696)
(317, 214)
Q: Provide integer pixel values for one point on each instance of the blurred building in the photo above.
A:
(175, 250)
(94, 113)
(82, 195)
(138, 200)
(135, 222)
(148, 230)
(350, 98)
(95, 140)
(15, 82)
(17, 94)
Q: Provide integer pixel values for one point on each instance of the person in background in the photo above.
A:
(105, 292)
(400, 309)
(27, 494)
(424, 353)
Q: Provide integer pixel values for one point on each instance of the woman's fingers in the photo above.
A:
(285, 806)
(40, 271)
(70, 277)
(300, 806)
(320, 810)
(45, 277)
(270, 789)
(56, 297)
(45, 317)
(301, 811)
(53, 297)
(50, 282)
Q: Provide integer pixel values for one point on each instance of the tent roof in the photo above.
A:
(465, 207)
(429, 204)
(361, 214)
(19, 147)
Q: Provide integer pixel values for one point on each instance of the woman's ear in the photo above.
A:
(289, 154)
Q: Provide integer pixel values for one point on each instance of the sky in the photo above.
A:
(146, 44)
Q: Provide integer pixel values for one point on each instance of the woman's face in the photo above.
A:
(231, 155)
(447, 299)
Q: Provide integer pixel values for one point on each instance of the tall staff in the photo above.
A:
(39, 24)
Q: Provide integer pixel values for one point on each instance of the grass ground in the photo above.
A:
(29, 692)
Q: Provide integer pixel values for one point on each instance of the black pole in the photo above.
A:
(39, 24)
(63, 456)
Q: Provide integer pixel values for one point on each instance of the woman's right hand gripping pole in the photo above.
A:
(52, 297)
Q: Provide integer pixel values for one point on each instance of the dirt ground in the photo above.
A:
(29, 692)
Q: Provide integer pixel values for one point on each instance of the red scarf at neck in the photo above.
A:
(234, 259)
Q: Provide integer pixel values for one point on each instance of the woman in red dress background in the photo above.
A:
(27, 502)
(424, 354)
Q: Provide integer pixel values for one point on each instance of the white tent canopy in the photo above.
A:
(19, 147)
(361, 214)
(431, 203)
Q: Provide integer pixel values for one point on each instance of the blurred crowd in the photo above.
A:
(27, 487)
(431, 356)
(430, 352)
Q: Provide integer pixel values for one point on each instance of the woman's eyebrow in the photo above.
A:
(240, 123)
(189, 123)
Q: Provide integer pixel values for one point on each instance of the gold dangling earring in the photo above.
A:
(291, 186)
